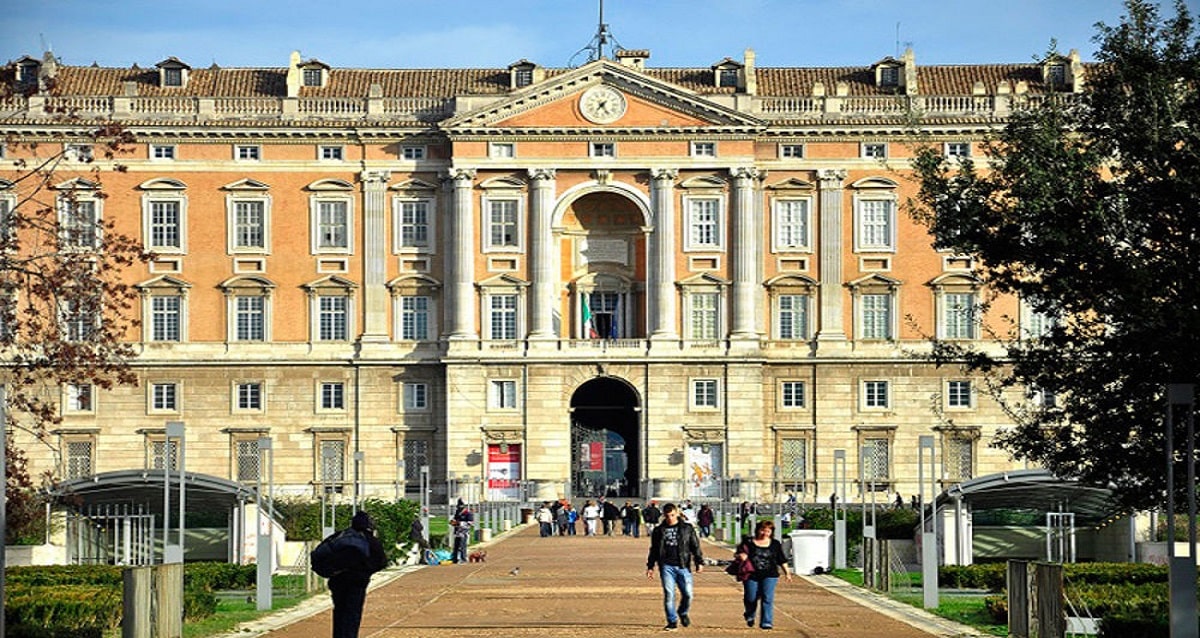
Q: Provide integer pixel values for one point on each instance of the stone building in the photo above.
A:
(612, 277)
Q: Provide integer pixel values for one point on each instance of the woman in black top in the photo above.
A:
(766, 554)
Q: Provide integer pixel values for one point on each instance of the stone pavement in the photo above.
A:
(594, 587)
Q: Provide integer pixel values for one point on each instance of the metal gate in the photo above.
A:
(589, 461)
(111, 534)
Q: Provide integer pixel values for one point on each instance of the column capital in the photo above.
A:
(744, 172)
(460, 174)
(831, 177)
(659, 174)
(375, 177)
(542, 174)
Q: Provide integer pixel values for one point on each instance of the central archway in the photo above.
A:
(605, 445)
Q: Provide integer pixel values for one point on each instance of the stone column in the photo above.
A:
(661, 300)
(832, 327)
(542, 256)
(375, 293)
(460, 256)
(746, 252)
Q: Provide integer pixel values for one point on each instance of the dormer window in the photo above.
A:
(27, 71)
(889, 76)
(1056, 75)
(172, 72)
(312, 76)
(727, 77)
(727, 73)
(523, 73)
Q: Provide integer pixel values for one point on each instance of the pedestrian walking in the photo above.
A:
(651, 514)
(572, 518)
(766, 554)
(610, 514)
(348, 588)
(704, 520)
(545, 519)
(591, 513)
(674, 547)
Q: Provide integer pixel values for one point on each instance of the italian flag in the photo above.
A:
(589, 326)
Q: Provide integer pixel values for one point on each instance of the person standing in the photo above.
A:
(704, 520)
(766, 554)
(651, 514)
(590, 514)
(545, 519)
(462, 534)
(674, 547)
(610, 514)
(348, 588)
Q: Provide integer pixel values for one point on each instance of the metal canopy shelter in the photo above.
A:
(1033, 490)
(145, 488)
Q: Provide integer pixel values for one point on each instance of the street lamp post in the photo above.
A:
(839, 509)
(400, 480)
(425, 490)
(929, 548)
(328, 456)
(359, 457)
(1182, 569)
(265, 546)
(173, 553)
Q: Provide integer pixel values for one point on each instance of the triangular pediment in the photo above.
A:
(648, 104)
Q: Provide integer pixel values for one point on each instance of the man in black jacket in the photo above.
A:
(674, 547)
(348, 588)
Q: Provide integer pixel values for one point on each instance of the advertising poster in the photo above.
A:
(504, 473)
(704, 465)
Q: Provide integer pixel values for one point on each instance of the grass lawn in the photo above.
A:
(966, 608)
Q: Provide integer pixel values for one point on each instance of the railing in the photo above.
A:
(247, 106)
(333, 107)
(173, 105)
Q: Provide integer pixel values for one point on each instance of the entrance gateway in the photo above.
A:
(606, 450)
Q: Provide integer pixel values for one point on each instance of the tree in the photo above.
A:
(66, 306)
(1088, 210)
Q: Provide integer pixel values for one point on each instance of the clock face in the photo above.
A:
(602, 104)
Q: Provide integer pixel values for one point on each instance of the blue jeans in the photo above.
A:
(764, 590)
(673, 577)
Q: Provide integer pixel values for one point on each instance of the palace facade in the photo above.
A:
(549, 281)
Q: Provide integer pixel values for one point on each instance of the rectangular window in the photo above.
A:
(247, 152)
(704, 393)
(79, 318)
(875, 394)
(333, 318)
(331, 466)
(958, 316)
(502, 394)
(416, 396)
(249, 396)
(414, 224)
(248, 459)
(416, 454)
(249, 224)
(874, 150)
(172, 76)
(412, 152)
(80, 398)
(959, 461)
(164, 397)
(523, 77)
(602, 149)
(312, 76)
(162, 152)
(502, 223)
(703, 319)
(704, 149)
(958, 149)
(251, 318)
(875, 460)
(792, 394)
(164, 454)
(333, 225)
(876, 224)
(791, 224)
(333, 395)
(79, 224)
(1057, 75)
(793, 317)
(876, 311)
(889, 76)
(414, 318)
(502, 150)
(165, 225)
(78, 459)
(791, 151)
(331, 153)
(704, 223)
(502, 318)
(166, 318)
(958, 394)
(727, 77)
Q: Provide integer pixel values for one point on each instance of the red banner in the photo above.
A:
(504, 467)
(596, 456)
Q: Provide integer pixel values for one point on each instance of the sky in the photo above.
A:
(495, 33)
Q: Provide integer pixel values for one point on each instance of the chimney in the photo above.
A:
(294, 77)
(633, 58)
(751, 83)
(910, 72)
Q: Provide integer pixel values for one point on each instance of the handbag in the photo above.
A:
(743, 570)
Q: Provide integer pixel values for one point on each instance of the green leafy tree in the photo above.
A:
(1088, 210)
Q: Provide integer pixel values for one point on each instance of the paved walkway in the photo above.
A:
(594, 587)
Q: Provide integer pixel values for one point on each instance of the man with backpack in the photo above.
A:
(349, 579)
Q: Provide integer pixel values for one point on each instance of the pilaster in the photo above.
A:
(661, 307)
(542, 254)
(832, 329)
(375, 293)
(460, 256)
(746, 254)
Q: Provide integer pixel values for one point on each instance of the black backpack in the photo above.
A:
(341, 551)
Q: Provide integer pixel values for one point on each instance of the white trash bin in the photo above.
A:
(810, 550)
